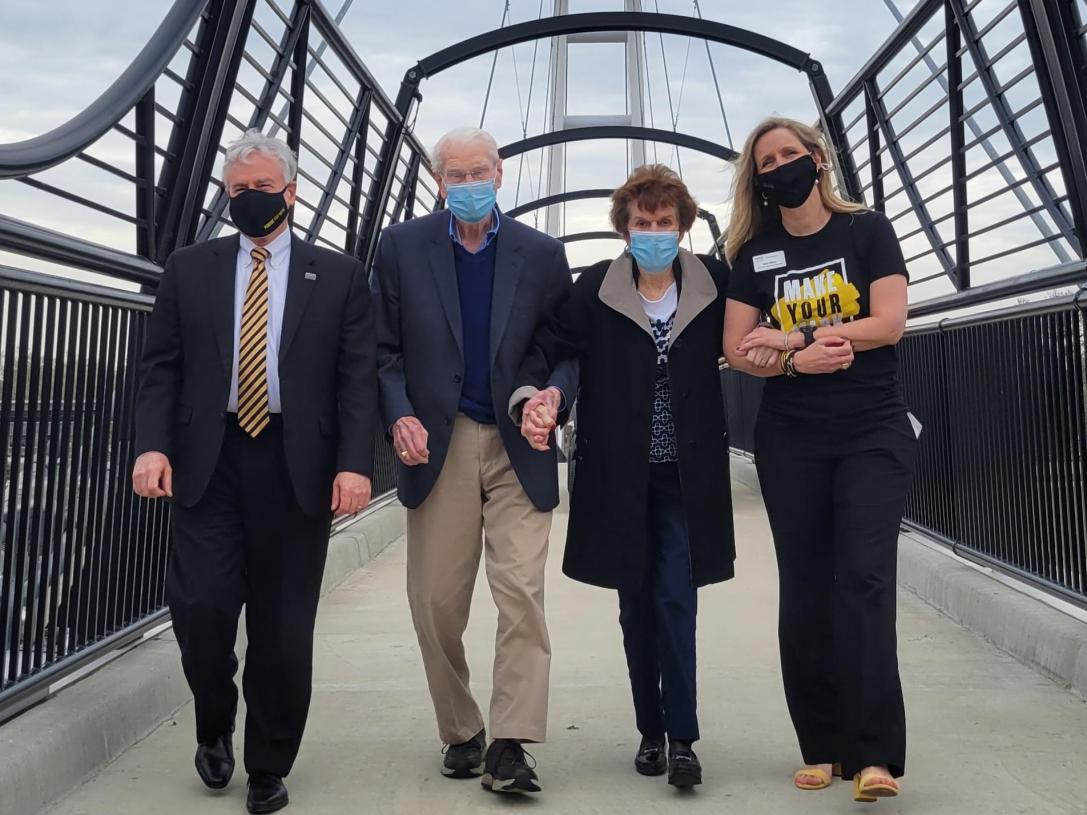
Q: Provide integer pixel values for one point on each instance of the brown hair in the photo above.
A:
(652, 187)
(749, 217)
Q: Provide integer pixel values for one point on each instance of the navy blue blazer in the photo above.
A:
(420, 354)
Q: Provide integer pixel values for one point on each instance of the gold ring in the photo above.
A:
(403, 452)
(845, 365)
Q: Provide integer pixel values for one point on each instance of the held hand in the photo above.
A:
(827, 355)
(763, 357)
(539, 417)
(350, 493)
(410, 441)
(763, 337)
(152, 476)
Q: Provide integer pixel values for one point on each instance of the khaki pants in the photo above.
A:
(478, 504)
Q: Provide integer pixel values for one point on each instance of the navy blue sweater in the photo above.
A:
(475, 282)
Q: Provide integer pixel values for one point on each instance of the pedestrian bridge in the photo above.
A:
(966, 127)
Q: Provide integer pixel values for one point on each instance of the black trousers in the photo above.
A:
(247, 542)
(835, 499)
(658, 620)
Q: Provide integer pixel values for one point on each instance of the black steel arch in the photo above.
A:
(560, 25)
(60, 144)
(572, 134)
(574, 237)
(615, 21)
(561, 198)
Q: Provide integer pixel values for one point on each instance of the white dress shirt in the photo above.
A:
(277, 265)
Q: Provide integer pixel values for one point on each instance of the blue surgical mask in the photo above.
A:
(654, 251)
(473, 201)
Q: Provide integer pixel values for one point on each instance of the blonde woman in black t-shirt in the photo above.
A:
(817, 302)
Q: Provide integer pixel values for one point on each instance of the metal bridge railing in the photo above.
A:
(966, 128)
(82, 559)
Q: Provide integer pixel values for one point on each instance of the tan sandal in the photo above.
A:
(815, 772)
(871, 786)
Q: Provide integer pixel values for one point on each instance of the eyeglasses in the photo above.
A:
(460, 176)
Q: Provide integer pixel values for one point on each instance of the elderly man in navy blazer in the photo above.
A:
(459, 294)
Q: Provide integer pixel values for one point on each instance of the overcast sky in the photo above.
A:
(55, 57)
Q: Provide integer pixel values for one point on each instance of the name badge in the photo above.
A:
(771, 260)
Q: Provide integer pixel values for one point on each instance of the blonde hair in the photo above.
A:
(749, 216)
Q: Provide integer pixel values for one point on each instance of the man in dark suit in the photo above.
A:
(458, 296)
(255, 414)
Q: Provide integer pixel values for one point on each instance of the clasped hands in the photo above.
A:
(539, 416)
(762, 347)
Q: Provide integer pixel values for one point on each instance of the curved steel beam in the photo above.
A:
(618, 132)
(614, 21)
(560, 198)
(60, 144)
(581, 195)
(589, 236)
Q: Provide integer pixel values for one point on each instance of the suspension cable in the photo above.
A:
(668, 87)
(649, 90)
(716, 84)
(494, 63)
(526, 111)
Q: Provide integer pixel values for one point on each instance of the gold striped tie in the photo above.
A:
(253, 350)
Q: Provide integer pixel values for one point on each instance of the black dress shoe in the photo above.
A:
(266, 793)
(465, 760)
(684, 768)
(506, 768)
(215, 762)
(651, 758)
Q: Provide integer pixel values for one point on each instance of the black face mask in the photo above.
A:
(257, 213)
(789, 185)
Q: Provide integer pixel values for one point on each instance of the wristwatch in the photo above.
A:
(808, 332)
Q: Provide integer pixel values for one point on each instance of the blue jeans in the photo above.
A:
(658, 620)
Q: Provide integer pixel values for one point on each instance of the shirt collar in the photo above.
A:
(496, 222)
(278, 249)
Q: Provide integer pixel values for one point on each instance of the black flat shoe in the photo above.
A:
(215, 762)
(651, 758)
(465, 760)
(506, 768)
(266, 793)
(684, 768)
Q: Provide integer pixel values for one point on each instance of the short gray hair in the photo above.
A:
(253, 141)
(461, 136)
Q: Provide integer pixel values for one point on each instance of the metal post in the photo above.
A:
(1057, 51)
(875, 159)
(960, 276)
(978, 132)
(298, 91)
(848, 178)
(145, 172)
(385, 171)
(1004, 115)
(212, 75)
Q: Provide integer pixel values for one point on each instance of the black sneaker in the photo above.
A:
(506, 769)
(684, 768)
(465, 760)
(651, 758)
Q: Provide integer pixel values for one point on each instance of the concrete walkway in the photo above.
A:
(987, 734)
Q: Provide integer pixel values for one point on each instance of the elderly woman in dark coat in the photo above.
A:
(651, 511)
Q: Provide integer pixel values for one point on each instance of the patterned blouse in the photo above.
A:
(662, 442)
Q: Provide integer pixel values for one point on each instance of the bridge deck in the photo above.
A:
(987, 734)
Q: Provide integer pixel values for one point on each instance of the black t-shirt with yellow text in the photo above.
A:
(823, 280)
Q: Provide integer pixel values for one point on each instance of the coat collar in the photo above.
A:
(617, 291)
